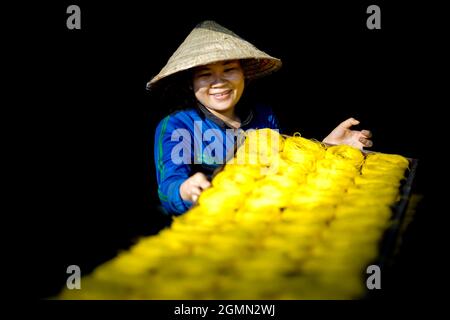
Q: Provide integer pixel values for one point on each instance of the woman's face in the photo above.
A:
(219, 86)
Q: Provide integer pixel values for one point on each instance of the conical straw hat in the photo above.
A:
(209, 42)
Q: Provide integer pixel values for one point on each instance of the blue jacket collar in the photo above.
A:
(245, 114)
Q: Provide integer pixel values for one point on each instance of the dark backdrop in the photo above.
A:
(94, 185)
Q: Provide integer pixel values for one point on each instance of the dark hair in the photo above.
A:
(175, 92)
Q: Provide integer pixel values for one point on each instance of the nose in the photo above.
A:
(218, 79)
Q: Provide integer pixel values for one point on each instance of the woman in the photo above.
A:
(191, 143)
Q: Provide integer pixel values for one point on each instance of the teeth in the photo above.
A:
(221, 94)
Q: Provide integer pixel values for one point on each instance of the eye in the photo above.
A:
(230, 69)
(205, 74)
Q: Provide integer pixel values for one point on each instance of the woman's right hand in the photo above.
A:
(192, 187)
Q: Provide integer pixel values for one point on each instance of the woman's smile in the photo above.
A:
(222, 95)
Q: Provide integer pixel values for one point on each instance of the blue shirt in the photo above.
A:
(194, 140)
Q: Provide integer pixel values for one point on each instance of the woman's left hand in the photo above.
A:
(343, 135)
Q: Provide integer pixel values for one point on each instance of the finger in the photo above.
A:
(349, 122)
(205, 184)
(199, 177)
(201, 181)
(195, 193)
(366, 133)
(366, 142)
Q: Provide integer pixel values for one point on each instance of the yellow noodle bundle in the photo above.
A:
(303, 152)
(345, 153)
(259, 147)
(327, 181)
(218, 200)
(295, 146)
(336, 165)
(396, 161)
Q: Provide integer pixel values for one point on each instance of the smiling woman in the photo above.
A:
(213, 65)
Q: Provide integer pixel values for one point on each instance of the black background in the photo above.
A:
(90, 148)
